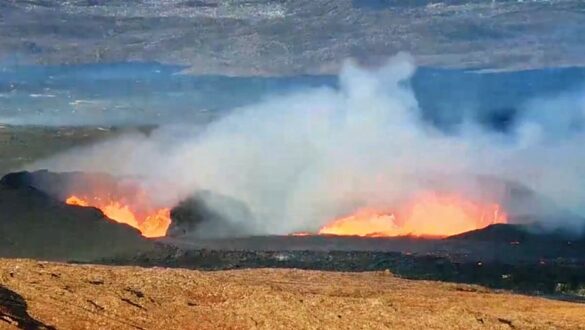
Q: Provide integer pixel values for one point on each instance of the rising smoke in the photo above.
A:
(299, 160)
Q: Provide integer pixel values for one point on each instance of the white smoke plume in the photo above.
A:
(301, 159)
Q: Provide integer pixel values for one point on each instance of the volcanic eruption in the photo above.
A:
(425, 215)
(358, 159)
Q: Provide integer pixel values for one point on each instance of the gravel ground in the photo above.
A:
(88, 297)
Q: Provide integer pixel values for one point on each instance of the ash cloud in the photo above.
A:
(300, 159)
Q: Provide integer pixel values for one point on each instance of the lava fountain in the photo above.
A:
(150, 221)
(426, 215)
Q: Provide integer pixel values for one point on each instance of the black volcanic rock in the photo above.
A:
(210, 215)
(17, 180)
(518, 233)
(497, 233)
(35, 225)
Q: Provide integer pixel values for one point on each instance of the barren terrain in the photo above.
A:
(20, 145)
(241, 37)
(68, 296)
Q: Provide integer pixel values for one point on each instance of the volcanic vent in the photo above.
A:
(124, 200)
(34, 223)
(128, 201)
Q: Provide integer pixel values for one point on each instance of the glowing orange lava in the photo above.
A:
(426, 215)
(153, 223)
(301, 233)
(365, 222)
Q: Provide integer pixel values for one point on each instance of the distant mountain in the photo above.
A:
(242, 37)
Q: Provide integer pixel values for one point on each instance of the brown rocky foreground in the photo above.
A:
(43, 295)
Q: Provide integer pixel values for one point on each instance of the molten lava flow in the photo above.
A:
(425, 215)
(153, 223)
(365, 222)
(301, 233)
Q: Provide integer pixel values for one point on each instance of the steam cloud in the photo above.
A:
(301, 159)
